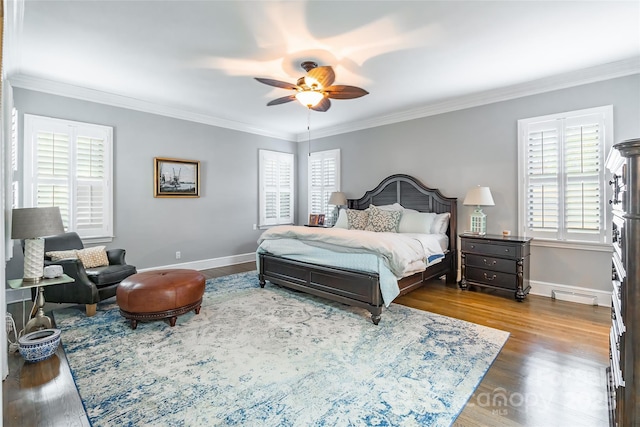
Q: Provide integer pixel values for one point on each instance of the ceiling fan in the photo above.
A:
(315, 88)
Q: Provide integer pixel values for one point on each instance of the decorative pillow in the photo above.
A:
(416, 222)
(440, 223)
(383, 221)
(58, 255)
(93, 257)
(357, 219)
(342, 221)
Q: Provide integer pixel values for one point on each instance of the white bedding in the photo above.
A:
(391, 255)
(403, 253)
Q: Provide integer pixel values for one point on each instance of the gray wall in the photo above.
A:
(452, 151)
(218, 224)
(478, 146)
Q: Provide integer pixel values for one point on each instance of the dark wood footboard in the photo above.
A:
(350, 287)
(356, 288)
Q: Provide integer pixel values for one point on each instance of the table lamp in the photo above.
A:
(478, 196)
(31, 224)
(337, 199)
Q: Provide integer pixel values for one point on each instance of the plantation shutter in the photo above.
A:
(91, 185)
(276, 188)
(543, 175)
(583, 168)
(324, 179)
(563, 175)
(68, 164)
(53, 164)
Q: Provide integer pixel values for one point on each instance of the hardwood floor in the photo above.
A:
(551, 371)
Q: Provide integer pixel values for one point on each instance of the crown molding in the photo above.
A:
(594, 74)
(114, 100)
(561, 81)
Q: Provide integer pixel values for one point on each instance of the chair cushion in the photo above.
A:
(110, 274)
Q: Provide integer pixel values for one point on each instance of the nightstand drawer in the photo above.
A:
(493, 264)
(492, 278)
(493, 248)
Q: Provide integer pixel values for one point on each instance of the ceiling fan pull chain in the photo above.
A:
(309, 127)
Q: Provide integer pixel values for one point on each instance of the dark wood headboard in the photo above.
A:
(412, 194)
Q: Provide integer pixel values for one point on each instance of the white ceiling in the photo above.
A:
(197, 59)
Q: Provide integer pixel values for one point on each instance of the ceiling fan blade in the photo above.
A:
(323, 75)
(282, 100)
(277, 83)
(345, 92)
(323, 105)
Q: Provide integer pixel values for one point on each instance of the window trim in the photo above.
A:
(34, 123)
(607, 141)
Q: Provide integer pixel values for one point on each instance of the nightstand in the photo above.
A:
(498, 262)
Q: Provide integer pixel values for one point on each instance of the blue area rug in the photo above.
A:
(272, 357)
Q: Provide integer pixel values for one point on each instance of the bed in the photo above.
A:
(363, 288)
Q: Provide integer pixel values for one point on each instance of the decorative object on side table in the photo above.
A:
(39, 345)
(31, 224)
(478, 196)
(498, 262)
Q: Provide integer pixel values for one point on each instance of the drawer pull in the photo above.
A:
(489, 278)
(492, 263)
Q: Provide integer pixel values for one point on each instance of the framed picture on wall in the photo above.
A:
(176, 177)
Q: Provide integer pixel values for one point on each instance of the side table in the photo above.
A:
(39, 320)
(498, 262)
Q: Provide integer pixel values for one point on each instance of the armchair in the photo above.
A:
(91, 285)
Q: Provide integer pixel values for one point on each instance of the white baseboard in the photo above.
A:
(545, 289)
(18, 295)
(207, 263)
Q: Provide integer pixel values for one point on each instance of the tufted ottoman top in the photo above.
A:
(160, 290)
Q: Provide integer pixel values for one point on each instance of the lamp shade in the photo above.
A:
(478, 196)
(29, 223)
(338, 199)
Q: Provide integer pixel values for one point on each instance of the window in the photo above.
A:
(68, 164)
(324, 179)
(276, 188)
(562, 175)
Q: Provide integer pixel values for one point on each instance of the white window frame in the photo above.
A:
(280, 158)
(561, 237)
(323, 189)
(34, 124)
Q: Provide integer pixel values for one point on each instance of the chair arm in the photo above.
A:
(116, 256)
(82, 291)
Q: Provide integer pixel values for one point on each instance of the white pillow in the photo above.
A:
(416, 222)
(342, 221)
(393, 207)
(440, 223)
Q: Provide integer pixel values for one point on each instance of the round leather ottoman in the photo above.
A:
(160, 294)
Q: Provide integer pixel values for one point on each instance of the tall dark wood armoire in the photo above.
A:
(624, 338)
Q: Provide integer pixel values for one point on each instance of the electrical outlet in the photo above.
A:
(178, 255)
(255, 226)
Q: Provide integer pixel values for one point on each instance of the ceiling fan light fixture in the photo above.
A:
(309, 98)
